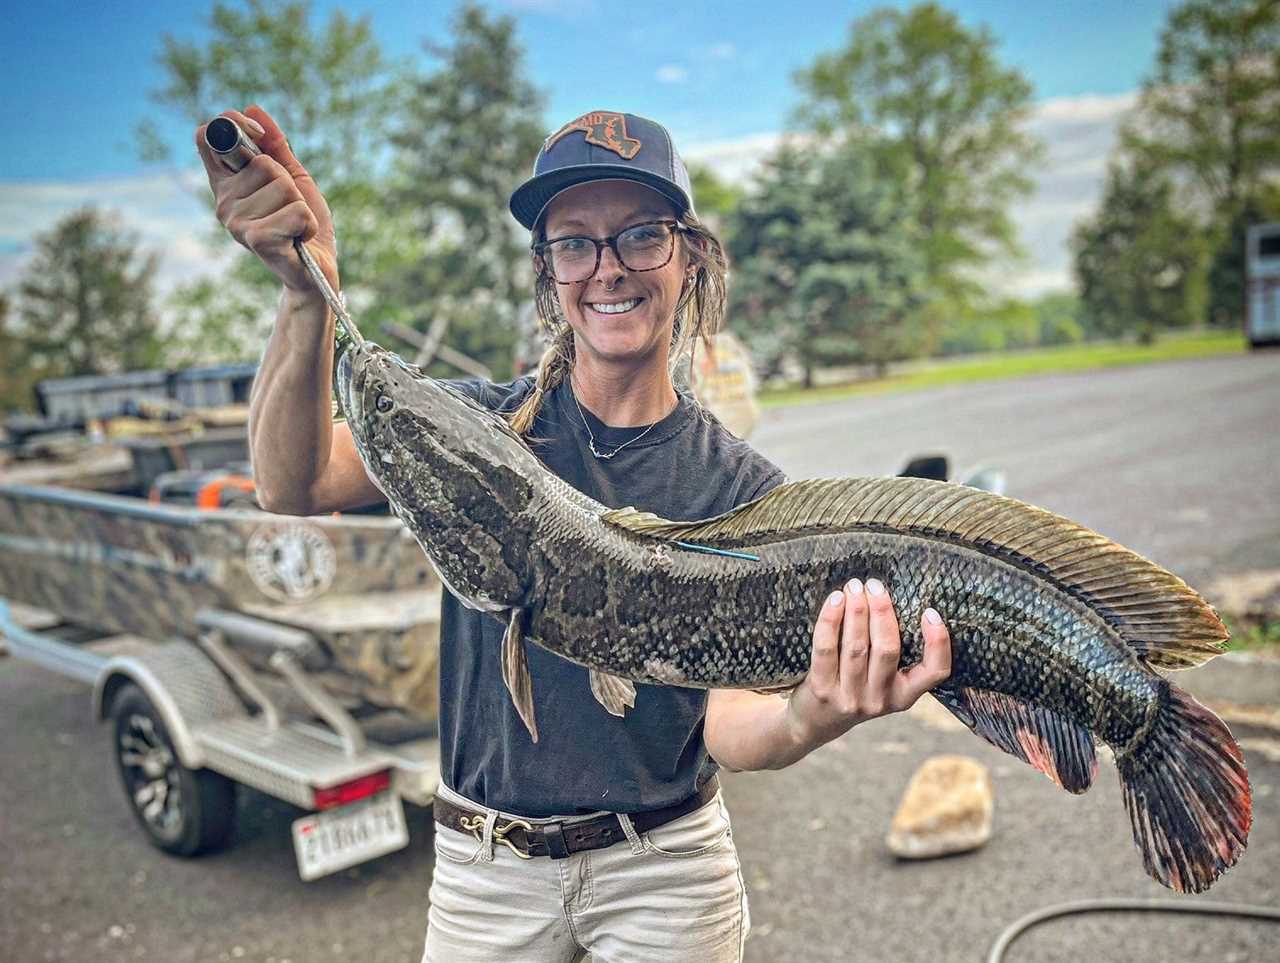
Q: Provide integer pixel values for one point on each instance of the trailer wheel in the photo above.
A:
(183, 811)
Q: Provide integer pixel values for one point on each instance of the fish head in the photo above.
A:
(455, 473)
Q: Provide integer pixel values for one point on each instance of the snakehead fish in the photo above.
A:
(1056, 630)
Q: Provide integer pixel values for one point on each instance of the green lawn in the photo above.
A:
(1261, 638)
(1016, 364)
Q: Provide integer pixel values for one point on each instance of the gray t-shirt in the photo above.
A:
(687, 467)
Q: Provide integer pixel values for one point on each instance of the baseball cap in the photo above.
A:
(603, 145)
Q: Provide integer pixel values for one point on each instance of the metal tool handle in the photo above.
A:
(235, 149)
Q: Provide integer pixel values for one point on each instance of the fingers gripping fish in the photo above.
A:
(1056, 630)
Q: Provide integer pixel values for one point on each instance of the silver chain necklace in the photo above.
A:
(591, 438)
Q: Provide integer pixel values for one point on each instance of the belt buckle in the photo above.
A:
(475, 826)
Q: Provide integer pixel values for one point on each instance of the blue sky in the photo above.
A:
(717, 73)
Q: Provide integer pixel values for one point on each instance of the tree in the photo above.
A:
(828, 266)
(946, 115)
(1210, 114)
(86, 301)
(997, 326)
(465, 139)
(713, 198)
(1058, 316)
(1139, 262)
(333, 93)
(17, 377)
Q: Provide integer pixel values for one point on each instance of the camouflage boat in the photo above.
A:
(358, 583)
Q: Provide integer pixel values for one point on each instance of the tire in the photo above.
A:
(195, 810)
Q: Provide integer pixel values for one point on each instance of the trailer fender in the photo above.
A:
(184, 685)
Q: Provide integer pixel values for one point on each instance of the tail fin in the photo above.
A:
(1188, 796)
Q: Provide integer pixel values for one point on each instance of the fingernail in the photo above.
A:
(875, 586)
(254, 126)
(932, 616)
(855, 585)
(835, 598)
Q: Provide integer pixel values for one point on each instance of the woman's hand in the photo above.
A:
(853, 674)
(270, 201)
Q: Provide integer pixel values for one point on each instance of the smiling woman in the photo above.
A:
(628, 280)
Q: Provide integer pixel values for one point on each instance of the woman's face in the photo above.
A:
(642, 332)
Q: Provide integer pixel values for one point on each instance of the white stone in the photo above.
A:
(946, 809)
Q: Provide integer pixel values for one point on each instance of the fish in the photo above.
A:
(1057, 632)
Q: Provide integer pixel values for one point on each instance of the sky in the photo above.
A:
(718, 74)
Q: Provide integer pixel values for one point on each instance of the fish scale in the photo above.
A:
(1056, 631)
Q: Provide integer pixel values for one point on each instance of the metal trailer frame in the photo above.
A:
(221, 718)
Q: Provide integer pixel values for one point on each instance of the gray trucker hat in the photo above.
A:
(603, 145)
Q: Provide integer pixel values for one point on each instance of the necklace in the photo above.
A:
(591, 438)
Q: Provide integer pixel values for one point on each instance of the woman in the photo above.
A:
(609, 835)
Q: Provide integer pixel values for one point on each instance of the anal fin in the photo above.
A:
(1061, 749)
(613, 692)
(515, 671)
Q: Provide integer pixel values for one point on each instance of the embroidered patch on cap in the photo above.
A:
(603, 128)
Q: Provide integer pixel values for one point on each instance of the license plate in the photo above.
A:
(337, 838)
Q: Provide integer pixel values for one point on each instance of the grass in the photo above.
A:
(1259, 638)
(916, 376)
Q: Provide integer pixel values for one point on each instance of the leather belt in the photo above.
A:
(561, 839)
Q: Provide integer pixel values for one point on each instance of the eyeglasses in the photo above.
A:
(641, 247)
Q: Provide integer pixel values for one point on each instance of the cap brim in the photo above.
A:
(531, 198)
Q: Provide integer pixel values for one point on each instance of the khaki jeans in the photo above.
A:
(674, 893)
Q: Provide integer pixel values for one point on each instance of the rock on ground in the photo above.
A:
(946, 809)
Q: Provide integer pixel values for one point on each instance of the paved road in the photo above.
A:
(1178, 461)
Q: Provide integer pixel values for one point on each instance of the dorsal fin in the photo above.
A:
(1161, 617)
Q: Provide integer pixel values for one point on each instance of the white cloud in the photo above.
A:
(1079, 134)
(166, 211)
(672, 74)
(738, 160)
(722, 51)
(169, 214)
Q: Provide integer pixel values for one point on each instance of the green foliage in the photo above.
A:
(1209, 108)
(215, 322)
(714, 198)
(942, 111)
(1003, 325)
(17, 376)
(1208, 116)
(85, 305)
(466, 138)
(828, 265)
(333, 94)
(1058, 316)
(1139, 261)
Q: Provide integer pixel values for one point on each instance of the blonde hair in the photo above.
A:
(699, 315)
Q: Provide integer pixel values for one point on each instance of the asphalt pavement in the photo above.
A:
(1178, 461)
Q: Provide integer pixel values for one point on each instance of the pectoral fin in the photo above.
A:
(515, 671)
(613, 692)
(1061, 749)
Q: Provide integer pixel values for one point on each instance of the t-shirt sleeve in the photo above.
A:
(772, 480)
(755, 475)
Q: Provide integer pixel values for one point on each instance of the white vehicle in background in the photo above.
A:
(1262, 271)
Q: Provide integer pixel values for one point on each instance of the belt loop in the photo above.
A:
(633, 837)
(486, 841)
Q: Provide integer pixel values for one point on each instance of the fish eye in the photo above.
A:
(383, 403)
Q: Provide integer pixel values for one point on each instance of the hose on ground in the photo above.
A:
(1021, 926)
